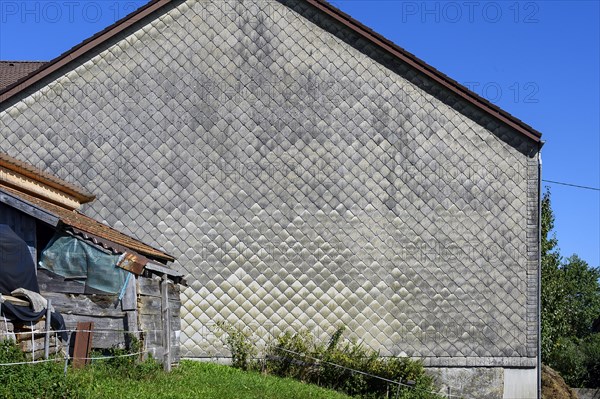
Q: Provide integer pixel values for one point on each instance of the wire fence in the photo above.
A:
(64, 345)
(32, 362)
(66, 357)
(399, 384)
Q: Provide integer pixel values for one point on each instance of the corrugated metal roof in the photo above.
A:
(90, 228)
(13, 71)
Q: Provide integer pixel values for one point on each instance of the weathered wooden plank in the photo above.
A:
(100, 323)
(56, 346)
(129, 304)
(153, 341)
(108, 331)
(150, 321)
(129, 301)
(152, 305)
(52, 282)
(157, 336)
(149, 305)
(85, 305)
(157, 353)
(154, 322)
(163, 270)
(131, 321)
(151, 287)
(83, 344)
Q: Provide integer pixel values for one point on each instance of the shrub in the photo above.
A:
(301, 357)
(286, 364)
(568, 359)
(578, 360)
(591, 350)
(240, 345)
(125, 361)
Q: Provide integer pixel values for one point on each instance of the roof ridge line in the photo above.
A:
(427, 69)
(322, 5)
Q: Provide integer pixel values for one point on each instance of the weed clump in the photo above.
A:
(341, 364)
(27, 380)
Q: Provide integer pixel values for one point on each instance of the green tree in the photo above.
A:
(570, 289)
(570, 300)
(582, 296)
(554, 323)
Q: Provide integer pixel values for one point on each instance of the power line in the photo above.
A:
(571, 185)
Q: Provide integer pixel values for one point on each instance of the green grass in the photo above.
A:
(193, 380)
(125, 377)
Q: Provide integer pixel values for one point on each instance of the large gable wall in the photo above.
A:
(302, 177)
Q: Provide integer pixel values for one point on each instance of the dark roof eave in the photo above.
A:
(81, 49)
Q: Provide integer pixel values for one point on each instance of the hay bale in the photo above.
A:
(554, 387)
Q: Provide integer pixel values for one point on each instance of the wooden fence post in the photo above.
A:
(129, 306)
(166, 322)
(83, 343)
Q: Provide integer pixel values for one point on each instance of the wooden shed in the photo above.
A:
(126, 288)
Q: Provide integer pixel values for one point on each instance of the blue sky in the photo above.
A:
(539, 60)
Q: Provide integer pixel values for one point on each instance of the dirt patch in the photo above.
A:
(554, 387)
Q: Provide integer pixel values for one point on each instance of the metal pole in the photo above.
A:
(47, 339)
(539, 279)
(398, 390)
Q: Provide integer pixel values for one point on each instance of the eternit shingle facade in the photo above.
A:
(302, 177)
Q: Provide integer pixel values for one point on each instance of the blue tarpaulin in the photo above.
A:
(71, 257)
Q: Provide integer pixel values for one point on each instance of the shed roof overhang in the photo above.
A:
(28, 178)
(83, 226)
